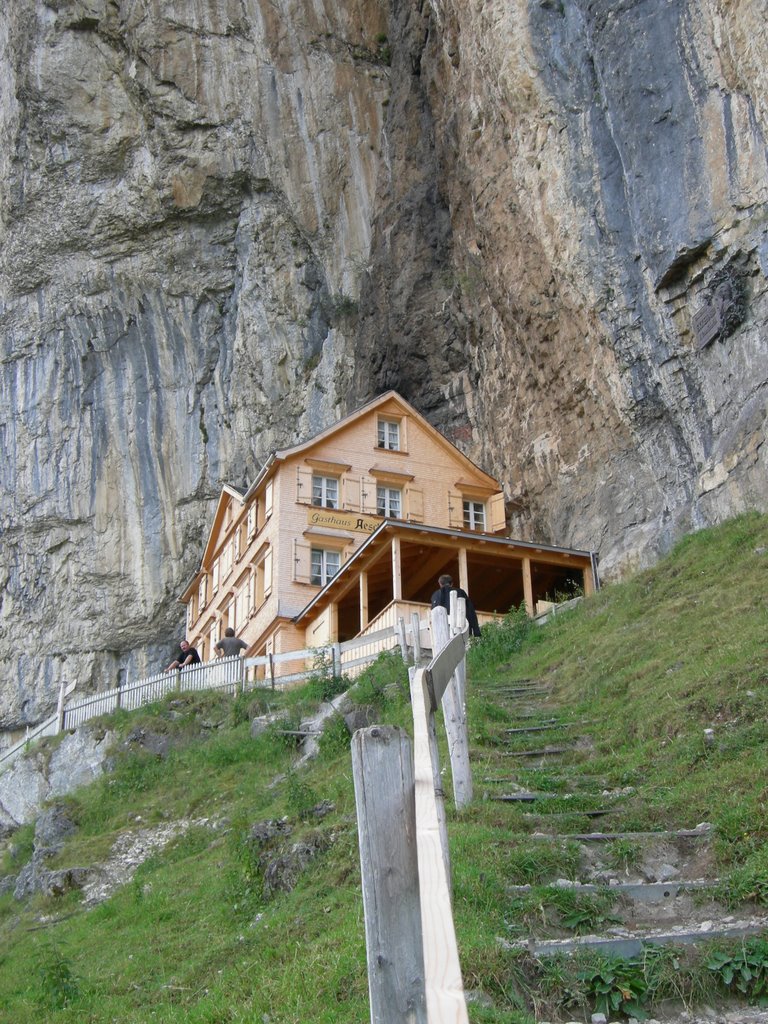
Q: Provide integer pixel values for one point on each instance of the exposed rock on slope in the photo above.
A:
(225, 223)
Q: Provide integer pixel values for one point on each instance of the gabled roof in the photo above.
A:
(214, 533)
(281, 454)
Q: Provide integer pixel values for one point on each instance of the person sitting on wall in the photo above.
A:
(186, 655)
(230, 645)
(442, 599)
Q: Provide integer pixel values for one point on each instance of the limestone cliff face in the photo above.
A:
(223, 223)
(596, 176)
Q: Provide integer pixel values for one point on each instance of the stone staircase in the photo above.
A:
(649, 888)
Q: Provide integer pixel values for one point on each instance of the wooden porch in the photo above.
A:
(395, 573)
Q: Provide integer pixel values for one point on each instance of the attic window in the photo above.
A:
(389, 435)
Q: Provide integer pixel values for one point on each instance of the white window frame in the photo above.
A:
(389, 501)
(388, 435)
(321, 565)
(325, 491)
(475, 515)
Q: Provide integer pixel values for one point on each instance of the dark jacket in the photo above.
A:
(442, 598)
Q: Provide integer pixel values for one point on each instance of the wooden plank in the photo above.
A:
(363, 599)
(444, 662)
(451, 697)
(369, 638)
(382, 768)
(397, 574)
(446, 1003)
(528, 586)
(416, 634)
(402, 639)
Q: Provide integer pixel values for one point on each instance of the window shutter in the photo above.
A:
(252, 510)
(350, 495)
(368, 495)
(304, 485)
(300, 562)
(268, 572)
(415, 504)
(268, 499)
(498, 518)
(455, 511)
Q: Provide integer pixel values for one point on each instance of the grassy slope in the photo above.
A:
(652, 662)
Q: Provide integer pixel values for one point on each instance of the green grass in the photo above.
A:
(649, 664)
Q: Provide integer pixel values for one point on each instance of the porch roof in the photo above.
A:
(429, 550)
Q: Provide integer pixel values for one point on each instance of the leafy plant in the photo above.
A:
(616, 985)
(59, 986)
(322, 684)
(745, 970)
(335, 737)
(300, 797)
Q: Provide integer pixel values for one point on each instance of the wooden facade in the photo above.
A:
(369, 512)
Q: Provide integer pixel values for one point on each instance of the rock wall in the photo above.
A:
(185, 205)
(224, 223)
(595, 187)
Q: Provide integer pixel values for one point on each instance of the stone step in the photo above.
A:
(553, 724)
(542, 752)
(630, 945)
(638, 892)
(700, 832)
(544, 814)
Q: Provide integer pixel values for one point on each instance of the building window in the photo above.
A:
(389, 502)
(325, 491)
(389, 435)
(323, 566)
(474, 515)
(202, 594)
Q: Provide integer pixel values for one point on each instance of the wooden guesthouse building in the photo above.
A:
(344, 533)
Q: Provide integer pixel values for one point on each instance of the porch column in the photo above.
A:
(589, 579)
(363, 600)
(463, 570)
(527, 586)
(397, 576)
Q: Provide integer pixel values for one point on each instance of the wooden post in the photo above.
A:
(336, 659)
(60, 707)
(459, 625)
(271, 669)
(416, 630)
(528, 586)
(446, 1003)
(463, 570)
(454, 716)
(382, 767)
(397, 577)
(363, 600)
(437, 783)
(402, 639)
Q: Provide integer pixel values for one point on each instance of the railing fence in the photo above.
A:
(233, 674)
(413, 963)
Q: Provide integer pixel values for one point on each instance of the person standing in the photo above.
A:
(230, 645)
(442, 598)
(186, 655)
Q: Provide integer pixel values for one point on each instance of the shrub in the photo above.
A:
(501, 639)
